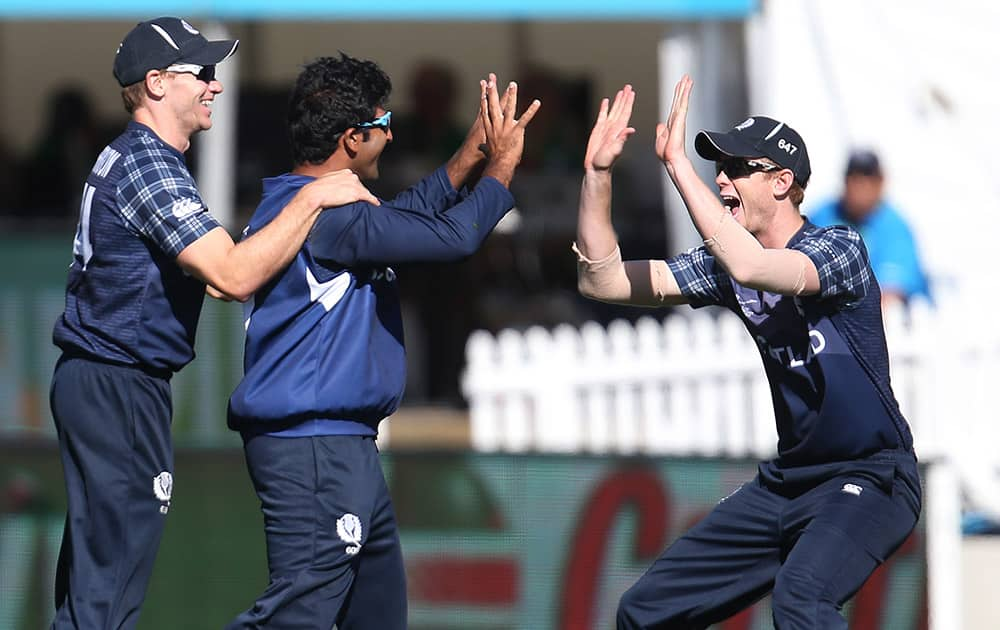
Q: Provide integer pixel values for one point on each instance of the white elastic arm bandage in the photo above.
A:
(778, 271)
(608, 280)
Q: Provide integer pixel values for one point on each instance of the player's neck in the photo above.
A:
(336, 162)
(785, 224)
(165, 127)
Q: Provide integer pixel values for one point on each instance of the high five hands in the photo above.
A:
(670, 135)
(503, 132)
(607, 138)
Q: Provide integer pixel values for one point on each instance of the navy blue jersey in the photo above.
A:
(324, 347)
(127, 300)
(825, 354)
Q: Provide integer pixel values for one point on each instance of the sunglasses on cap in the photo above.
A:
(202, 73)
(735, 167)
(382, 122)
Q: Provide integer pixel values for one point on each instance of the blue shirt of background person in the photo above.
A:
(891, 246)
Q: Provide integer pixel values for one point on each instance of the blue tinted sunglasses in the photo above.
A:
(381, 122)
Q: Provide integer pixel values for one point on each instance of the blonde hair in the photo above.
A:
(133, 95)
(796, 193)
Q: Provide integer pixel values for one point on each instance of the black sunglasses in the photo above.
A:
(734, 167)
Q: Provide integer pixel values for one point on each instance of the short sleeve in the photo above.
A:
(841, 261)
(699, 277)
(158, 198)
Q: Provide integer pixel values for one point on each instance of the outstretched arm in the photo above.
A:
(365, 235)
(601, 273)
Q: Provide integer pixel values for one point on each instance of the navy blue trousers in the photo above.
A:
(114, 441)
(813, 551)
(333, 549)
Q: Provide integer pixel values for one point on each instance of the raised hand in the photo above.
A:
(504, 133)
(339, 188)
(670, 135)
(465, 166)
(607, 138)
(475, 140)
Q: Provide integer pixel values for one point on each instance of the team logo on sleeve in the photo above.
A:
(185, 207)
(163, 488)
(349, 530)
(852, 488)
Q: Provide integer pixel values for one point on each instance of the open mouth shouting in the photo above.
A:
(732, 204)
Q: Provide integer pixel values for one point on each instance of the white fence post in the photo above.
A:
(481, 361)
(625, 437)
(596, 390)
(652, 390)
(944, 547)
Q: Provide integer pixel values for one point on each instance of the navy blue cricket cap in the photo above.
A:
(156, 44)
(863, 162)
(756, 137)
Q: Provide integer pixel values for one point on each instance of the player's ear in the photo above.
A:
(782, 182)
(155, 84)
(358, 135)
(350, 141)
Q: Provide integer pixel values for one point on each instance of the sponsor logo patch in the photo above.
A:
(185, 207)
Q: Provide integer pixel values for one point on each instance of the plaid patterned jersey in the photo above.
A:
(825, 354)
(127, 300)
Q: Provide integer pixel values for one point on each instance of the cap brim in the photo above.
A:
(713, 145)
(212, 53)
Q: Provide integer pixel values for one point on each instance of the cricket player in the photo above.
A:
(145, 249)
(843, 492)
(325, 361)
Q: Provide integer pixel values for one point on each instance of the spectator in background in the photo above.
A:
(891, 246)
(431, 127)
(560, 126)
(428, 133)
(61, 159)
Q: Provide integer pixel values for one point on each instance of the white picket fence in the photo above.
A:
(694, 385)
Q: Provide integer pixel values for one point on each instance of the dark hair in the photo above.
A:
(863, 162)
(330, 96)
